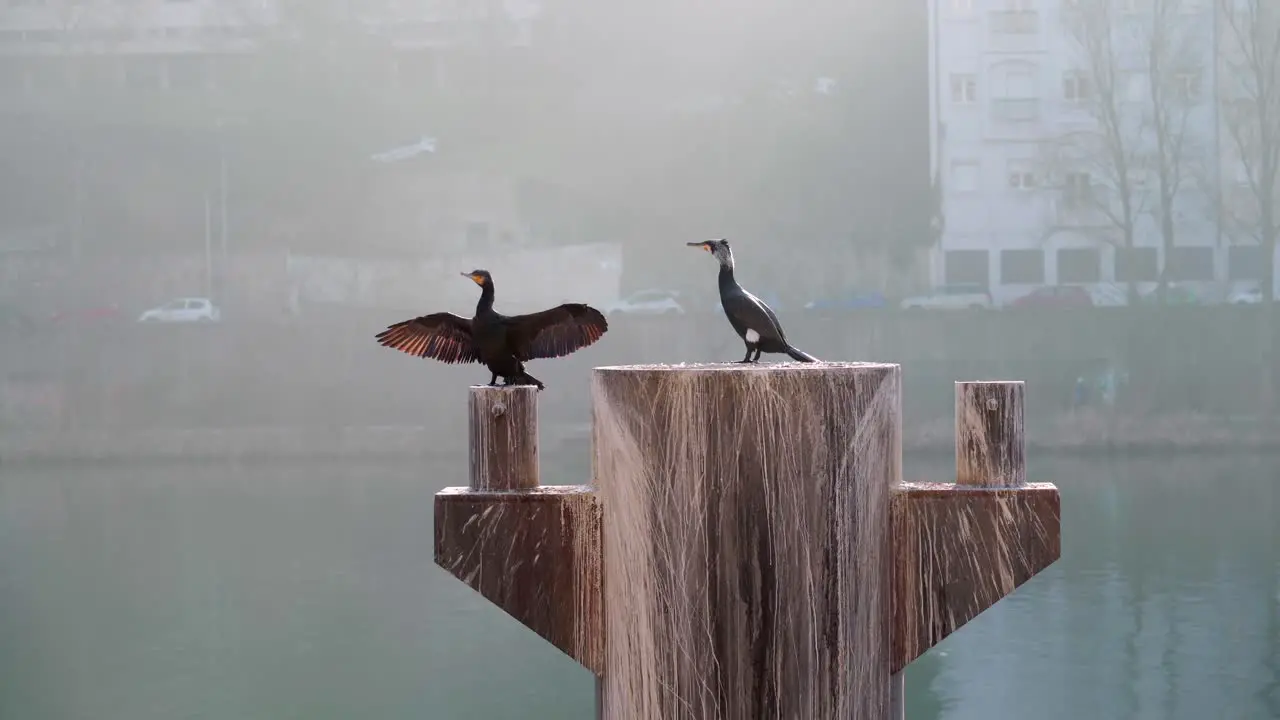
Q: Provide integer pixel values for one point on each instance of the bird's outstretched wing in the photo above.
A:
(556, 332)
(443, 336)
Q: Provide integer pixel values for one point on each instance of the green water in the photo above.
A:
(308, 591)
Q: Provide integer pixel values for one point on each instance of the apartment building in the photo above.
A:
(1020, 140)
(173, 44)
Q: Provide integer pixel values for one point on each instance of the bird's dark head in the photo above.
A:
(718, 248)
(479, 277)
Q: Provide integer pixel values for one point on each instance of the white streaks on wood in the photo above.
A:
(746, 539)
(503, 437)
(990, 446)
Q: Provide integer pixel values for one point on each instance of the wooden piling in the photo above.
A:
(748, 549)
(960, 547)
(746, 539)
(502, 434)
(533, 550)
(990, 448)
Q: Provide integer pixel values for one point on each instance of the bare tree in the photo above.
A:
(1143, 146)
(1175, 64)
(1250, 105)
(1101, 169)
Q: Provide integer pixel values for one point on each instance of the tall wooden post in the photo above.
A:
(746, 547)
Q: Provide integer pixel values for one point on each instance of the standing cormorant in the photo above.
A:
(503, 343)
(754, 322)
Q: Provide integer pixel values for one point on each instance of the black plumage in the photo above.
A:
(503, 343)
(750, 317)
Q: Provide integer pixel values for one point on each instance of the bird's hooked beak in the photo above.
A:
(477, 279)
(704, 245)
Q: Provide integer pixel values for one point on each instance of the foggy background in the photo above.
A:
(227, 514)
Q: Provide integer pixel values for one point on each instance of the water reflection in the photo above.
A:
(308, 591)
(1164, 604)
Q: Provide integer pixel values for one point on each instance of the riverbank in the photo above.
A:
(1087, 431)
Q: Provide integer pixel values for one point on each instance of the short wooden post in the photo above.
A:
(960, 547)
(502, 436)
(990, 450)
(533, 550)
(746, 543)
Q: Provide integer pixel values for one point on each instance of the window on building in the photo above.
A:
(966, 267)
(1079, 265)
(1187, 86)
(1137, 265)
(1019, 82)
(1245, 262)
(964, 88)
(962, 7)
(964, 175)
(1021, 175)
(1077, 187)
(1189, 263)
(1076, 87)
(1022, 267)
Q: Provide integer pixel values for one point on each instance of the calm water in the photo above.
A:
(274, 592)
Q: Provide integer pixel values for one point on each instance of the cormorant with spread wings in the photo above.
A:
(503, 343)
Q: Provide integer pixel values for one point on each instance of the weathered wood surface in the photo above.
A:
(958, 550)
(535, 554)
(746, 539)
(503, 437)
(990, 442)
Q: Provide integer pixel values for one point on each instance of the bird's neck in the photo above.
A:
(726, 276)
(486, 298)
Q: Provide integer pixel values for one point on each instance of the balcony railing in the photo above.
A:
(1015, 109)
(1080, 208)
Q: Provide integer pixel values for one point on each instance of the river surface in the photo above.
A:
(273, 592)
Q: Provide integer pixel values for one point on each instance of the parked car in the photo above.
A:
(646, 302)
(952, 297)
(850, 300)
(183, 310)
(1174, 295)
(97, 314)
(1249, 295)
(1055, 296)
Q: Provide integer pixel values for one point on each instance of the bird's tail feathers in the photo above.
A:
(800, 355)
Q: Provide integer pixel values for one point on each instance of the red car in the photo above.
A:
(98, 314)
(1055, 296)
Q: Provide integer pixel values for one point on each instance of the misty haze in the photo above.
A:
(216, 487)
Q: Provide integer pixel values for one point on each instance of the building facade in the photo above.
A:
(1045, 147)
(185, 44)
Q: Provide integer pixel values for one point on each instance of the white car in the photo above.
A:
(183, 310)
(952, 297)
(1251, 295)
(646, 302)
